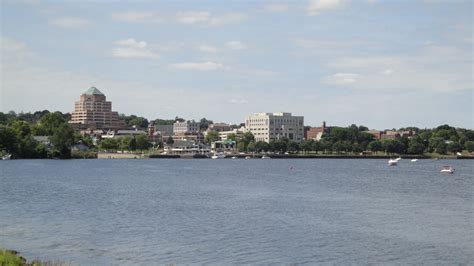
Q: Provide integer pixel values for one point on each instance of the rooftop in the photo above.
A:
(93, 91)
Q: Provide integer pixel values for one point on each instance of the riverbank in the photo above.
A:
(110, 155)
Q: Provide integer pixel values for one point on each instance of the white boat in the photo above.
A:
(214, 156)
(392, 162)
(234, 157)
(265, 157)
(247, 157)
(458, 154)
(6, 157)
(447, 169)
(414, 160)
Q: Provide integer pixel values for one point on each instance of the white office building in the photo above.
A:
(186, 127)
(273, 126)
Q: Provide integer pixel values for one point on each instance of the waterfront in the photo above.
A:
(238, 211)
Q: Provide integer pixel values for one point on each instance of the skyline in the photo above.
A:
(373, 63)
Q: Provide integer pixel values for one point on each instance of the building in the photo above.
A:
(237, 132)
(219, 127)
(95, 112)
(186, 127)
(316, 133)
(376, 133)
(272, 126)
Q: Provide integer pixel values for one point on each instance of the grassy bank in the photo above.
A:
(12, 258)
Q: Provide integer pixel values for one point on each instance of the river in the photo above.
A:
(277, 211)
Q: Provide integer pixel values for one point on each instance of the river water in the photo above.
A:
(278, 211)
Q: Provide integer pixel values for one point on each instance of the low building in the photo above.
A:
(316, 133)
(376, 133)
(223, 146)
(272, 126)
(186, 147)
(219, 127)
(237, 132)
(123, 132)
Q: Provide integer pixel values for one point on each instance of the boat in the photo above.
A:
(247, 157)
(265, 157)
(447, 169)
(234, 157)
(414, 160)
(393, 162)
(218, 156)
(6, 157)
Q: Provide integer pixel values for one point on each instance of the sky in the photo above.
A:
(382, 64)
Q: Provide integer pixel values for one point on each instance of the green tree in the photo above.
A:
(307, 145)
(48, 124)
(416, 148)
(212, 136)
(375, 146)
(124, 142)
(469, 146)
(293, 146)
(261, 146)
(110, 144)
(251, 147)
(62, 139)
(204, 124)
(170, 140)
(438, 145)
(8, 140)
(393, 146)
(232, 136)
(133, 144)
(454, 147)
(142, 142)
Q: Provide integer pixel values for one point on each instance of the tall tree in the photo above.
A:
(62, 139)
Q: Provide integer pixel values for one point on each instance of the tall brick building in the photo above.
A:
(94, 112)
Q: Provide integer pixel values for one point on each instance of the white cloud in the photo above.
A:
(202, 66)
(206, 18)
(276, 7)
(432, 68)
(71, 22)
(137, 16)
(131, 49)
(207, 48)
(235, 45)
(341, 79)
(315, 7)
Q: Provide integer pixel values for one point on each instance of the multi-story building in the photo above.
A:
(186, 127)
(94, 112)
(271, 126)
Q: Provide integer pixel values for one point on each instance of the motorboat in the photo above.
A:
(218, 156)
(6, 157)
(447, 169)
(247, 157)
(393, 162)
(414, 160)
(234, 157)
(265, 157)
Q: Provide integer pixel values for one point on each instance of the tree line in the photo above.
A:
(353, 139)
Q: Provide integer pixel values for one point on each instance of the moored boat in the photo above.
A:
(447, 169)
(6, 157)
(393, 162)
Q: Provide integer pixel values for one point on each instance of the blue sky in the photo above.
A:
(382, 64)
